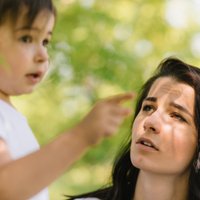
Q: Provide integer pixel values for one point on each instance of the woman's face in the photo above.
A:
(164, 136)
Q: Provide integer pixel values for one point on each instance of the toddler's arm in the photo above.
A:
(104, 119)
(22, 178)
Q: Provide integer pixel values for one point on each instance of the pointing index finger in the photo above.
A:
(121, 97)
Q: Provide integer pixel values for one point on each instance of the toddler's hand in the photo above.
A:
(105, 118)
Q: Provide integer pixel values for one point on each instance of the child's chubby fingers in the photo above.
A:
(120, 111)
(113, 126)
(117, 121)
(121, 97)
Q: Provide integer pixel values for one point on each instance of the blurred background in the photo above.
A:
(101, 48)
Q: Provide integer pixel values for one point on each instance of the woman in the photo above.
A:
(161, 160)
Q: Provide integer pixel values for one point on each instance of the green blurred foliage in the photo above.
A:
(101, 48)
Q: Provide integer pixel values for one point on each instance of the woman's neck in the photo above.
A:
(161, 187)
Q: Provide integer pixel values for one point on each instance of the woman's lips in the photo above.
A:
(147, 142)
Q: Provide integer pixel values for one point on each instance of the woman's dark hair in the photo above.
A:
(124, 175)
(12, 9)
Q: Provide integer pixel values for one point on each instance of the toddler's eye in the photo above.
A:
(26, 39)
(45, 42)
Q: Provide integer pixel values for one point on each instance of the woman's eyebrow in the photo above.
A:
(152, 99)
(175, 105)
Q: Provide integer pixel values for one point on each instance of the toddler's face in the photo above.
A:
(23, 54)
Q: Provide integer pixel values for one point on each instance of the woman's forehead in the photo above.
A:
(173, 91)
(165, 85)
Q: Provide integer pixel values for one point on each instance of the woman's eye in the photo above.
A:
(147, 108)
(178, 117)
(26, 39)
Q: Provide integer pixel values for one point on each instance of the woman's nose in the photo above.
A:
(152, 123)
(41, 54)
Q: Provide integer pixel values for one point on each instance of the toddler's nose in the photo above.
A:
(41, 54)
